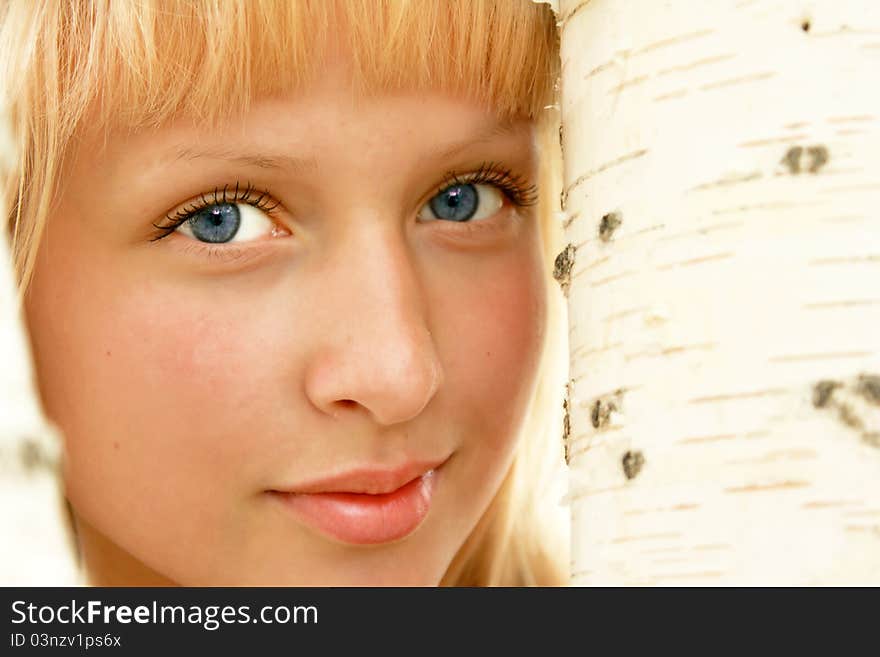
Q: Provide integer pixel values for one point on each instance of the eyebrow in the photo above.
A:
(299, 165)
(260, 161)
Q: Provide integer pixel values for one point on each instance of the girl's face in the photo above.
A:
(338, 315)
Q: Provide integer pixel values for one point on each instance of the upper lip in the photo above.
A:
(367, 479)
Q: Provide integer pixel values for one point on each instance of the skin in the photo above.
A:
(189, 383)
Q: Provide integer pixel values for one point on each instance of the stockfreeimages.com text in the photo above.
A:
(210, 617)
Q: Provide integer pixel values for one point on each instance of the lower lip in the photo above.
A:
(365, 519)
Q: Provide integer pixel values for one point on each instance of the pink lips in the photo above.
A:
(366, 506)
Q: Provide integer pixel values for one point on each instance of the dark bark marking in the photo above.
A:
(563, 266)
(609, 224)
(869, 388)
(848, 416)
(818, 155)
(632, 463)
(33, 457)
(566, 425)
(822, 392)
(835, 395)
(604, 407)
(792, 159)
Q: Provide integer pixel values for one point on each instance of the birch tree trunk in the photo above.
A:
(35, 545)
(721, 194)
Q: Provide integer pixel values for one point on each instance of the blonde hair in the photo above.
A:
(210, 59)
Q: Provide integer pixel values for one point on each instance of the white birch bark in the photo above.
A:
(722, 186)
(35, 546)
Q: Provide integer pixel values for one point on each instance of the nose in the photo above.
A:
(377, 354)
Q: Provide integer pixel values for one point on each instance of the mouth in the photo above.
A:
(366, 506)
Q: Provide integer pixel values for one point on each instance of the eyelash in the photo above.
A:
(219, 197)
(514, 187)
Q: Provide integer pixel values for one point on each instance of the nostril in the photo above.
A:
(341, 405)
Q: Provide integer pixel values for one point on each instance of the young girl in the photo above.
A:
(288, 281)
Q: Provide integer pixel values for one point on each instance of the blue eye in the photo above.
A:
(464, 202)
(218, 223)
(456, 203)
(215, 223)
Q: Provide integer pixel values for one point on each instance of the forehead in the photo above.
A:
(291, 131)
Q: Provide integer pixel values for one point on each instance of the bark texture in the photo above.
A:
(721, 194)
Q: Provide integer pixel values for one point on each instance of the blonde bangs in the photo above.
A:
(209, 58)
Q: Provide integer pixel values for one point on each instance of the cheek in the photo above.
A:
(493, 320)
(147, 383)
(184, 368)
(496, 325)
